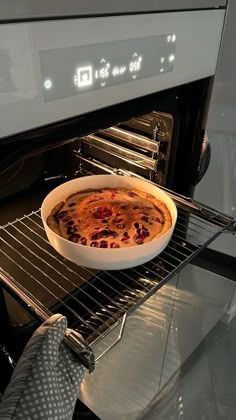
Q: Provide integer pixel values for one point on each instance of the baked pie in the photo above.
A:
(110, 218)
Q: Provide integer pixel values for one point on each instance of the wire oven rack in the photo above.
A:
(96, 302)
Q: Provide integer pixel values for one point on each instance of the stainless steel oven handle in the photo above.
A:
(120, 335)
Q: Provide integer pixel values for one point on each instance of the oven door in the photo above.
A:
(171, 351)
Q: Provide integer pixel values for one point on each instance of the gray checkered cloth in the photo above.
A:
(46, 381)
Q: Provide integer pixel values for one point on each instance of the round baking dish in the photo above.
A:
(100, 258)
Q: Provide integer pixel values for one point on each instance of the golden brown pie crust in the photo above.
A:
(110, 218)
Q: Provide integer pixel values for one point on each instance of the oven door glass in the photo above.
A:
(177, 355)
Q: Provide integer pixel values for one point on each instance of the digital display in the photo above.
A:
(74, 70)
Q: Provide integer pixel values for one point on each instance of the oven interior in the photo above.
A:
(138, 147)
(35, 277)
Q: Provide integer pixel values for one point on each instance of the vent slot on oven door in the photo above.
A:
(140, 146)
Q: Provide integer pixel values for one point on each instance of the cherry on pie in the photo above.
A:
(110, 218)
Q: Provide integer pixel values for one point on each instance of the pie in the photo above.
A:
(110, 218)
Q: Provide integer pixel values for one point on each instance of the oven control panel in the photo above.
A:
(73, 70)
(54, 70)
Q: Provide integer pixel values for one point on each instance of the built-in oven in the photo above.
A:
(123, 91)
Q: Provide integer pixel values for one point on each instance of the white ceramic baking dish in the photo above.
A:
(100, 258)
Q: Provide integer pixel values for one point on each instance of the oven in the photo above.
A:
(123, 90)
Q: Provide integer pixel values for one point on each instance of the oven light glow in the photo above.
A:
(171, 57)
(48, 84)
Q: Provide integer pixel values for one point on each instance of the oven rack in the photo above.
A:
(97, 302)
